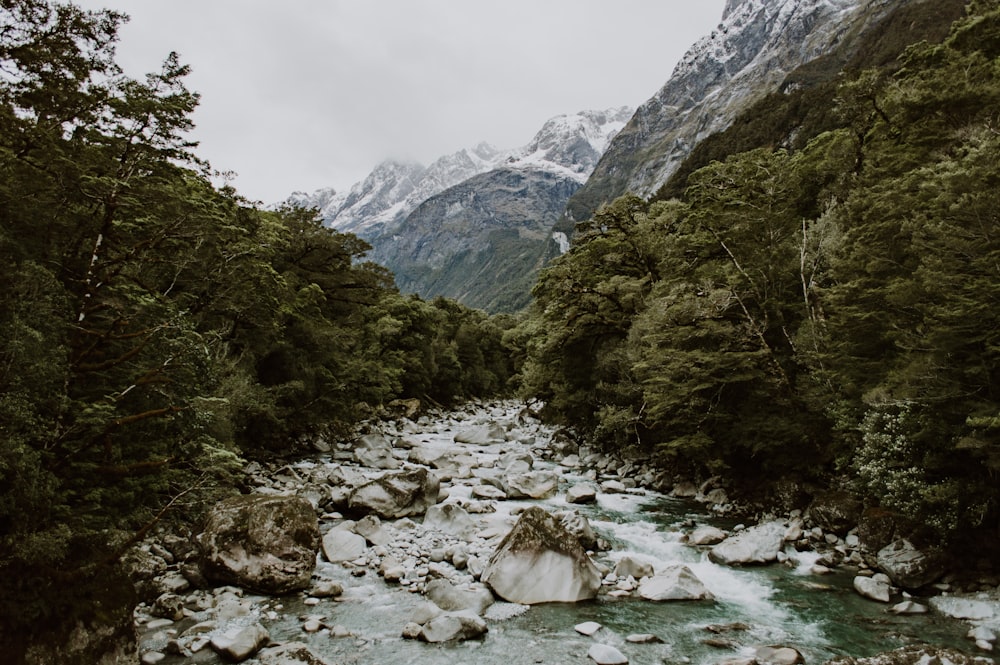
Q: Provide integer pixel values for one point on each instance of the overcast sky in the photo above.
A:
(303, 94)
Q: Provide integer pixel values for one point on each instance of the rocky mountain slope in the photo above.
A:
(475, 225)
(757, 44)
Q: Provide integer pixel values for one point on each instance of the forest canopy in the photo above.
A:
(819, 311)
(155, 329)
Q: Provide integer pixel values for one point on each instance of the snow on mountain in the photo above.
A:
(568, 145)
(757, 44)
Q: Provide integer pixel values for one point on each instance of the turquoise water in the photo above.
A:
(822, 617)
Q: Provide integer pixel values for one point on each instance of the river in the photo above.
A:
(782, 604)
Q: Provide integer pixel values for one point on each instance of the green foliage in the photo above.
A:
(154, 329)
(828, 307)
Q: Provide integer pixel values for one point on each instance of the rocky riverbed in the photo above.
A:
(483, 536)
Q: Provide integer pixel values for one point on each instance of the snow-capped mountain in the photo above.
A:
(569, 145)
(757, 44)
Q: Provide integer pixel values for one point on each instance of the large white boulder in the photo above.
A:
(676, 582)
(375, 451)
(340, 545)
(260, 542)
(539, 561)
(758, 544)
(531, 485)
(452, 519)
(453, 626)
(397, 494)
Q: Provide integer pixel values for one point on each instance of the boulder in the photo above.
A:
(872, 588)
(375, 451)
(778, 656)
(488, 492)
(453, 626)
(452, 519)
(397, 494)
(907, 566)
(540, 562)
(450, 598)
(263, 543)
(240, 643)
(581, 493)
(605, 654)
(758, 544)
(370, 527)
(577, 524)
(291, 653)
(340, 545)
(531, 485)
(706, 535)
(630, 567)
(587, 628)
(836, 511)
(963, 607)
(481, 435)
(676, 582)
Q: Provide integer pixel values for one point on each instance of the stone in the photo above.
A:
(581, 493)
(778, 656)
(587, 628)
(630, 567)
(539, 561)
(263, 543)
(152, 657)
(907, 566)
(168, 606)
(290, 653)
(370, 527)
(908, 607)
(375, 451)
(684, 490)
(706, 535)
(488, 492)
(613, 487)
(481, 435)
(675, 582)
(578, 525)
(872, 589)
(643, 638)
(605, 654)
(326, 589)
(756, 545)
(452, 519)
(411, 631)
(531, 485)
(340, 546)
(238, 644)
(475, 598)
(397, 494)
(453, 626)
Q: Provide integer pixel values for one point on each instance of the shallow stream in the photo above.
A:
(778, 605)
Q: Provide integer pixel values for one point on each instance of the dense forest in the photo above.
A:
(824, 309)
(155, 329)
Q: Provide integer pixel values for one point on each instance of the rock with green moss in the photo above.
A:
(261, 543)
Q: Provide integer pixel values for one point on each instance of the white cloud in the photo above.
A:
(305, 94)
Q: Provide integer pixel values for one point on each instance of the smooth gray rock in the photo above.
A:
(756, 545)
(397, 494)
(630, 567)
(540, 562)
(453, 626)
(340, 545)
(605, 654)
(531, 485)
(290, 653)
(872, 589)
(375, 451)
(581, 493)
(675, 582)
(448, 597)
(238, 644)
(706, 535)
(452, 519)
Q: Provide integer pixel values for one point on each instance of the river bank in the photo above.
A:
(379, 578)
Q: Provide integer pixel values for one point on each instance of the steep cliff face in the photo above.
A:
(757, 44)
(481, 242)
